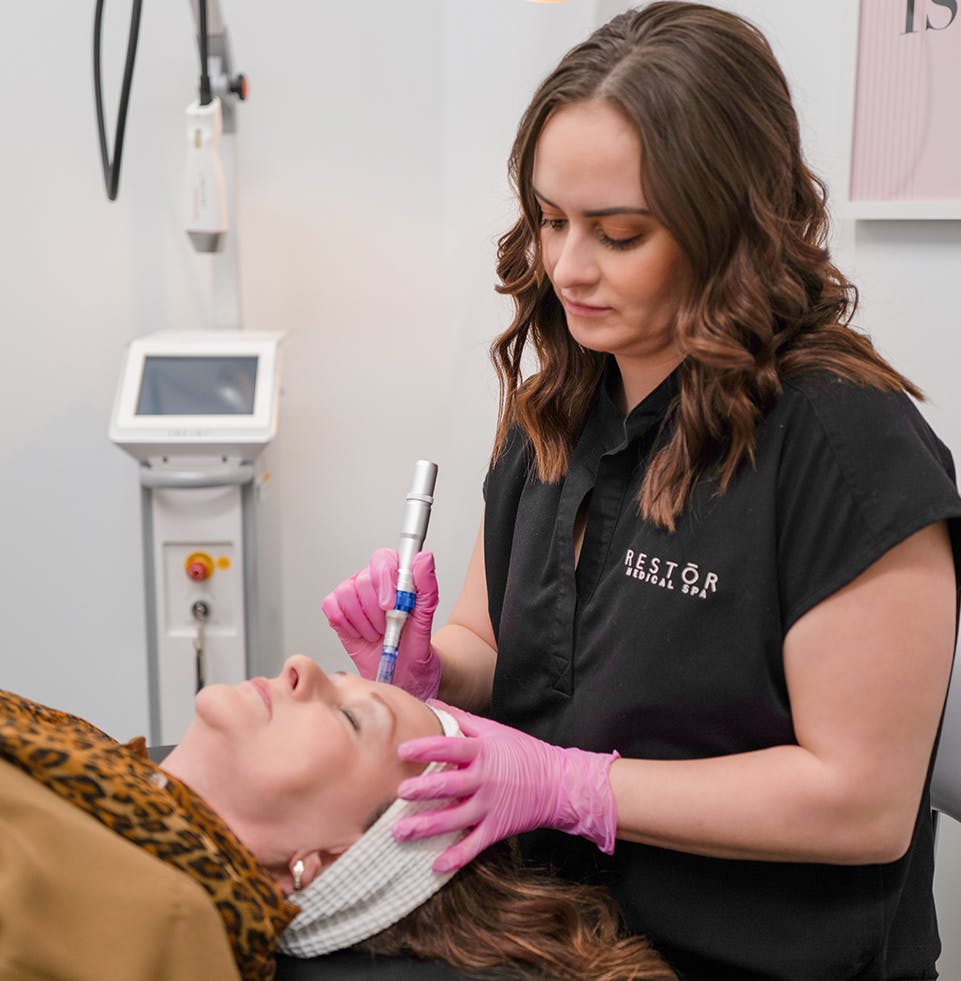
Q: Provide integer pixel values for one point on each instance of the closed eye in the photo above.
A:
(351, 718)
(608, 241)
(619, 243)
(554, 224)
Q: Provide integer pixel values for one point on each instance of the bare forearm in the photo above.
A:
(777, 804)
(468, 667)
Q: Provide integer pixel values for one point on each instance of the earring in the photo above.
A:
(298, 871)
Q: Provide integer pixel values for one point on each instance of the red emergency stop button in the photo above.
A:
(199, 566)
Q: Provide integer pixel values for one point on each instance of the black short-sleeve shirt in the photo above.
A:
(669, 646)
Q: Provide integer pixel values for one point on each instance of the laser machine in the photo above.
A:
(199, 411)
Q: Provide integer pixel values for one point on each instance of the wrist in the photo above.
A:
(586, 804)
(426, 682)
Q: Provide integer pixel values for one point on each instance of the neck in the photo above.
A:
(640, 377)
(176, 763)
(181, 764)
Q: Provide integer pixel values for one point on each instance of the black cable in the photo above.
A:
(205, 98)
(111, 170)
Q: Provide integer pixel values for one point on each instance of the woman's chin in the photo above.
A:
(212, 705)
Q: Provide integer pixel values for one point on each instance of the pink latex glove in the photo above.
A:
(507, 782)
(356, 609)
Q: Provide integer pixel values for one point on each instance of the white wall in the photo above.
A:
(371, 192)
(369, 205)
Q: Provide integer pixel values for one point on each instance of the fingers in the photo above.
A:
(418, 672)
(425, 584)
(438, 749)
(438, 822)
(383, 573)
(443, 785)
(470, 725)
(465, 851)
(421, 659)
(351, 606)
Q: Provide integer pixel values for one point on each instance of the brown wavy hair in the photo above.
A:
(722, 170)
(495, 916)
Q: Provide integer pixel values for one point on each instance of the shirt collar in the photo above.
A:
(652, 407)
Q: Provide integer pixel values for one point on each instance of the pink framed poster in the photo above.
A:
(906, 131)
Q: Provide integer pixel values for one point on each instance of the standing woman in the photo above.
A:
(716, 554)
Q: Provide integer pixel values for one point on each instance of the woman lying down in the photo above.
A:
(279, 800)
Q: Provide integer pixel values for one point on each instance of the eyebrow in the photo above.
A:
(596, 212)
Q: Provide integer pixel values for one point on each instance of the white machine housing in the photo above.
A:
(248, 423)
(199, 412)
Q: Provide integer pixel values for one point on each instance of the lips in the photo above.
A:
(583, 309)
(263, 690)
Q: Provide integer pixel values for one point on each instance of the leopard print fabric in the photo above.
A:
(124, 790)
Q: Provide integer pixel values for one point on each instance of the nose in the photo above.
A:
(570, 262)
(304, 679)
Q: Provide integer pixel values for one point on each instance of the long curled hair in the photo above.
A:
(495, 916)
(722, 170)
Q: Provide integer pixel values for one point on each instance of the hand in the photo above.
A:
(507, 782)
(356, 610)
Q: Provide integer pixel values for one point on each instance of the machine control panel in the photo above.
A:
(198, 395)
(199, 566)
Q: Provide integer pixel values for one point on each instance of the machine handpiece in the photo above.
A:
(412, 533)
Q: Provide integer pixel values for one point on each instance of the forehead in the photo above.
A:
(412, 717)
(589, 149)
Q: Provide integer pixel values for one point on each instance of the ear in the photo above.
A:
(314, 863)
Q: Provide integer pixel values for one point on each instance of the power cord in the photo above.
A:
(111, 169)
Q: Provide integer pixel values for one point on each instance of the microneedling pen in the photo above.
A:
(412, 533)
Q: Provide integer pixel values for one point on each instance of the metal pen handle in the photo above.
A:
(413, 531)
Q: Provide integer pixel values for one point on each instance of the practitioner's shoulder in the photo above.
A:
(870, 429)
(858, 471)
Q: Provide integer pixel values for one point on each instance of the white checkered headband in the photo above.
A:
(373, 884)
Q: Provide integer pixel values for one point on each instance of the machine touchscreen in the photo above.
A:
(197, 386)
